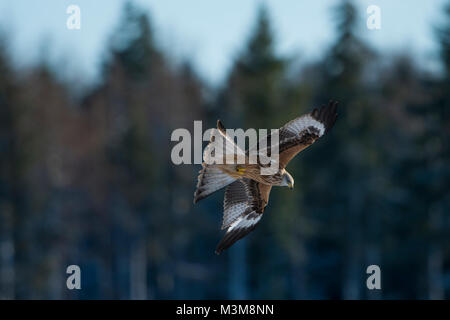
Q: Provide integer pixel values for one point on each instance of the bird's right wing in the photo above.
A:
(244, 205)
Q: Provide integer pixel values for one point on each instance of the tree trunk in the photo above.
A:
(238, 270)
(435, 259)
(7, 273)
(138, 272)
(353, 271)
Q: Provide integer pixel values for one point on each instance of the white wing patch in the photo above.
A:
(245, 222)
(302, 123)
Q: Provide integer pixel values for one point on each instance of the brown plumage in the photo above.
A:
(247, 192)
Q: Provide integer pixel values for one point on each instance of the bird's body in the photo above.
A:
(253, 172)
(247, 192)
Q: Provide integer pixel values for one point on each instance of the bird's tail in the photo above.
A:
(210, 179)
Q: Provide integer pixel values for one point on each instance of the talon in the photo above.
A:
(241, 170)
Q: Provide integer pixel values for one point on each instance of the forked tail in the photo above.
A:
(210, 179)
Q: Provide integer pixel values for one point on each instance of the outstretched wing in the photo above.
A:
(244, 204)
(300, 133)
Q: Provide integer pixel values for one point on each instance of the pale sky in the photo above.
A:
(210, 33)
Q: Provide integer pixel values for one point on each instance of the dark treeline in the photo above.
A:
(89, 181)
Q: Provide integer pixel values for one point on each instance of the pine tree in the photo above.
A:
(254, 86)
(258, 95)
(10, 182)
(145, 97)
(432, 173)
(355, 157)
(130, 74)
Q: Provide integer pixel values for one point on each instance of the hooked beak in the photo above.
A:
(291, 186)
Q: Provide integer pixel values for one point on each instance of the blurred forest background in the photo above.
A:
(87, 178)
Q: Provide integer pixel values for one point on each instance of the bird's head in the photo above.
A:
(288, 181)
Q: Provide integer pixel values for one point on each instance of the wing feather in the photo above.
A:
(300, 133)
(244, 205)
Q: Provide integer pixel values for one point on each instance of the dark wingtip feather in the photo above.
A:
(198, 196)
(231, 237)
(327, 114)
(228, 239)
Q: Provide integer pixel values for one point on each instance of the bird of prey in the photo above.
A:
(247, 192)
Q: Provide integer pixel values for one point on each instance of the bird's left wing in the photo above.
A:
(300, 133)
(244, 204)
